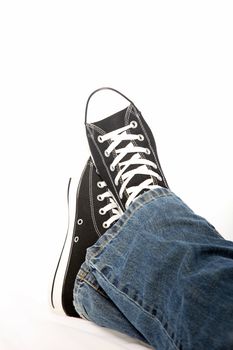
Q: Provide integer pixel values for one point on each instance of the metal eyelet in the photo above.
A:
(99, 184)
(101, 211)
(106, 153)
(100, 139)
(76, 239)
(80, 221)
(105, 225)
(100, 198)
(112, 168)
(148, 151)
(140, 137)
(133, 124)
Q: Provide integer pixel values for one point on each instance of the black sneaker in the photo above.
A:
(124, 152)
(92, 210)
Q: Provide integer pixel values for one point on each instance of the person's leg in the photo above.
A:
(166, 271)
(98, 306)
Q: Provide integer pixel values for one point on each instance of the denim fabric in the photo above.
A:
(161, 274)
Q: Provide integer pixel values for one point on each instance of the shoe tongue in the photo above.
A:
(115, 121)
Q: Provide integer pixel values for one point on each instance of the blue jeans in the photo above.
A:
(161, 274)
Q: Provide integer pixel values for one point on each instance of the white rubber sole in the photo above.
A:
(60, 272)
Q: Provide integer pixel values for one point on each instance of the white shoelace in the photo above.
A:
(111, 206)
(117, 136)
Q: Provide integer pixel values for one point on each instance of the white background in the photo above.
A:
(172, 58)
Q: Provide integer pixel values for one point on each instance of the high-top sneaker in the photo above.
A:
(92, 210)
(124, 152)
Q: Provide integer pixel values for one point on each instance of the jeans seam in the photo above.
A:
(83, 279)
(76, 302)
(141, 308)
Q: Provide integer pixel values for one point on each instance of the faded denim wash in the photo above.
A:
(161, 274)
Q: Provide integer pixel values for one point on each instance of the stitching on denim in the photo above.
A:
(83, 279)
(77, 305)
(82, 273)
(135, 303)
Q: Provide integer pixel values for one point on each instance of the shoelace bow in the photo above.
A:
(117, 136)
(111, 206)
